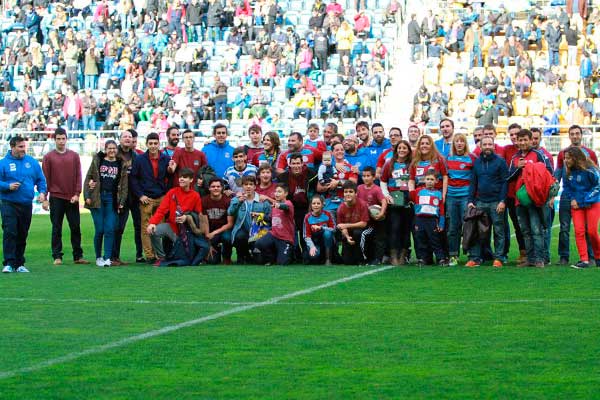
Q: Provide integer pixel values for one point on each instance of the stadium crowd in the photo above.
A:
(366, 193)
(113, 65)
(493, 66)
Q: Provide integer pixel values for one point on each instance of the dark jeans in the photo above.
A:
(221, 243)
(16, 219)
(374, 240)
(455, 211)
(242, 247)
(132, 205)
(427, 240)
(58, 209)
(533, 220)
(564, 218)
(498, 222)
(512, 213)
(271, 249)
(352, 254)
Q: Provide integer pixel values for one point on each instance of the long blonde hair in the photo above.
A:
(433, 156)
(464, 139)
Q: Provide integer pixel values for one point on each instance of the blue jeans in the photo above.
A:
(198, 33)
(548, 233)
(532, 222)
(90, 82)
(108, 63)
(475, 55)
(214, 33)
(221, 109)
(414, 49)
(553, 58)
(323, 241)
(224, 240)
(271, 249)
(564, 218)
(16, 219)
(105, 222)
(72, 123)
(89, 122)
(498, 227)
(456, 207)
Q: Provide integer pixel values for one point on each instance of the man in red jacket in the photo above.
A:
(176, 203)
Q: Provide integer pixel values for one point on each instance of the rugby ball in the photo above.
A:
(374, 210)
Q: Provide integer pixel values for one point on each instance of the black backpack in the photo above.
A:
(206, 173)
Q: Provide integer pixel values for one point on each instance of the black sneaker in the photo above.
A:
(444, 263)
(564, 261)
(581, 265)
(140, 260)
(151, 261)
(598, 263)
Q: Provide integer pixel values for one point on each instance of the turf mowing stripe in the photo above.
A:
(307, 303)
(172, 328)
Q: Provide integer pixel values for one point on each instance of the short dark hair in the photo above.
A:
(350, 185)
(395, 128)
(538, 130)
(313, 125)
(523, 133)
(169, 129)
(249, 179)
(187, 131)
(264, 167)
(369, 169)
(297, 134)
(213, 180)
(16, 140)
(489, 127)
(255, 127)
(133, 132)
(447, 120)
(218, 126)
(239, 150)
(186, 173)
(514, 125)
(60, 132)
(431, 172)
(361, 123)
(152, 136)
(572, 127)
(283, 186)
(295, 155)
(376, 125)
(333, 126)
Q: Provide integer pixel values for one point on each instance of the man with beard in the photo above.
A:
(127, 154)
(310, 156)
(355, 155)
(395, 138)
(564, 210)
(363, 133)
(301, 182)
(172, 142)
(444, 144)
(329, 130)
(488, 193)
(378, 145)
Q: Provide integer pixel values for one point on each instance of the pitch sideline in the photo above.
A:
(172, 328)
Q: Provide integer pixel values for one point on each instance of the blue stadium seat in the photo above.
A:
(232, 92)
(279, 94)
(331, 77)
(208, 78)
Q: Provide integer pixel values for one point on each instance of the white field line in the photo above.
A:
(172, 328)
(311, 303)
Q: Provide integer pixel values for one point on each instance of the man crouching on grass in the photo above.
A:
(181, 228)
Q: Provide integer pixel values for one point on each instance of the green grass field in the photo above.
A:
(297, 332)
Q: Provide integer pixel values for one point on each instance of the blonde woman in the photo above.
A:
(344, 38)
(460, 165)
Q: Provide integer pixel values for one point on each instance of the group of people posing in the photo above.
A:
(364, 194)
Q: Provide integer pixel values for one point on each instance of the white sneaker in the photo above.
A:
(100, 262)
(8, 269)
(107, 262)
(22, 269)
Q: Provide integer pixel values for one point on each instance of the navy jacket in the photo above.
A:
(142, 180)
(489, 179)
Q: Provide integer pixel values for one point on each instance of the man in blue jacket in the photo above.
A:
(149, 182)
(488, 193)
(19, 175)
(219, 153)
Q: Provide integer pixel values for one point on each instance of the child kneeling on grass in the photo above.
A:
(279, 242)
(429, 222)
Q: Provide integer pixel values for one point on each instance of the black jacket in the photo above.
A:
(476, 228)
(414, 32)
